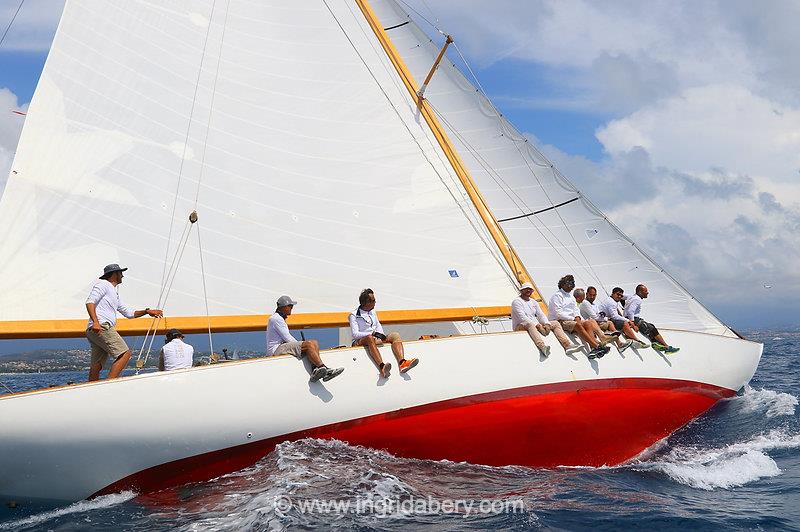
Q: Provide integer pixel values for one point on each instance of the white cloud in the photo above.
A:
(34, 27)
(10, 128)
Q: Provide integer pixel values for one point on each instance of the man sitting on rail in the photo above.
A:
(633, 307)
(610, 307)
(590, 311)
(176, 354)
(368, 332)
(563, 309)
(526, 315)
(280, 341)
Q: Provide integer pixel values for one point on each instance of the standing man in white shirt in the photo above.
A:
(368, 332)
(281, 342)
(176, 354)
(563, 308)
(590, 311)
(633, 307)
(526, 315)
(102, 305)
(609, 306)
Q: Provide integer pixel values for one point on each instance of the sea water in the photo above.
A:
(737, 466)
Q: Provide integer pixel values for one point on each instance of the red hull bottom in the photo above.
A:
(591, 423)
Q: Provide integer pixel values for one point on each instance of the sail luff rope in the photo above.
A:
(186, 141)
(512, 280)
(13, 18)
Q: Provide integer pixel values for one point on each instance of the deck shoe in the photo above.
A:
(407, 364)
(573, 349)
(318, 373)
(335, 372)
(625, 346)
(386, 370)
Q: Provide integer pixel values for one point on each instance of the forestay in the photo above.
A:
(300, 150)
(517, 180)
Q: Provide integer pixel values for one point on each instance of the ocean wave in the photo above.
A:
(36, 520)
(727, 467)
(771, 402)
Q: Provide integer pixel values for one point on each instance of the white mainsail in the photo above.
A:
(517, 180)
(304, 156)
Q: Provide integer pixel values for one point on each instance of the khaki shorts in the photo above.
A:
(106, 343)
(290, 348)
(604, 325)
(390, 339)
(568, 325)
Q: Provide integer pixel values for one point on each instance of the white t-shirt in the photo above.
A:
(526, 311)
(590, 311)
(177, 355)
(107, 302)
(277, 333)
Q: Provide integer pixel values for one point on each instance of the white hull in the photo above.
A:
(73, 442)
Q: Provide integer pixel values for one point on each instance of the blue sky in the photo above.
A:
(695, 104)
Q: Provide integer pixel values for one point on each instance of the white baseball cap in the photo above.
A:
(525, 285)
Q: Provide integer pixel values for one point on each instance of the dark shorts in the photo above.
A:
(618, 323)
(646, 328)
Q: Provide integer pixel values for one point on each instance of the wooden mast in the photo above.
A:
(498, 235)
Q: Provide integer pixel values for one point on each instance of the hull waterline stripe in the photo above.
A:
(595, 422)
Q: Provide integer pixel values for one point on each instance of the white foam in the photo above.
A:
(98, 503)
(726, 467)
(774, 403)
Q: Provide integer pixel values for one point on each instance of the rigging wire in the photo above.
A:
(13, 18)
(512, 279)
(205, 291)
(186, 140)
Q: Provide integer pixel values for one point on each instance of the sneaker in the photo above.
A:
(386, 370)
(545, 351)
(669, 350)
(604, 349)
(318, 373)
(606, 339)
(407, 364)
(573, 349)
(625, 346)
(659, 347)
(613, 334)
(332, 373)
(597, 352)
(638, 344)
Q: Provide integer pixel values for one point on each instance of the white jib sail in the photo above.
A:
(282, 123)
(517, 180)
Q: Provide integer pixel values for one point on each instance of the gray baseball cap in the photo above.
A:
(285, 300)
(111, 268)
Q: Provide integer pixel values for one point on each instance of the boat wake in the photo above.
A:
(771, 403)
(725, 467)
(38, 520)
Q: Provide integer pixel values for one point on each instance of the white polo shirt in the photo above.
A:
(633, 306)
(107, 302)
(610, 309)
(177, 355)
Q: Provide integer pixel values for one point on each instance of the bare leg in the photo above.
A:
(533, 333)
(628, 331)
(372, 348)
(660, 339)
(311, 350)
(399, 352)
(595, 329)
(94, 371)
(118, 365)
(584, 330)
